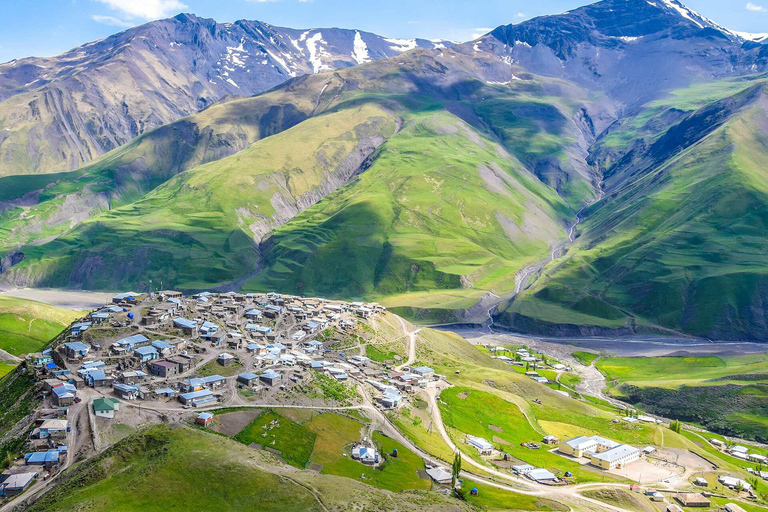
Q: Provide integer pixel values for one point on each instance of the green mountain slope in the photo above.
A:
(442, 212)
(678, 242)
(461, 182)
(202, 227)
(45, 206)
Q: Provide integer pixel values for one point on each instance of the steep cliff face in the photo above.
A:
(59, 113)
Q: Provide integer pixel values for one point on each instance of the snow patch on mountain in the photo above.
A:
(360, 53)
(402, 45)
(316, 52)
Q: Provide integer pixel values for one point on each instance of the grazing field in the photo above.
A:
(585, 358)
(485, 415)
(26, 326)
(293, 441)
(673, 372)
(336, 434)
(5, 368)
(324, 441)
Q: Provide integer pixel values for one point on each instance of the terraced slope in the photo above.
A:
(678, 242)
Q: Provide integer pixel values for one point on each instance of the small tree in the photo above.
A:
(456, 469)
(675, 426)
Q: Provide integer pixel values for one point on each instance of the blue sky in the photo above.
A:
(49, 27)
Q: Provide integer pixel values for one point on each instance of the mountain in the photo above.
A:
(676, 244)
(561, 174)
(58, 113)
(634, 50)
(380, 155)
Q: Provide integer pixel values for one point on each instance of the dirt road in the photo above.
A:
(412, 345)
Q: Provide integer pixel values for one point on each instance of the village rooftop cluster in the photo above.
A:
(169, 352)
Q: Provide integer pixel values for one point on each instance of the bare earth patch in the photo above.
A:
(463, 395)
(232, 423)
(498, 440)
(495, 428)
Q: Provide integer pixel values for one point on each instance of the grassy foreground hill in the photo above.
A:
(173, 468)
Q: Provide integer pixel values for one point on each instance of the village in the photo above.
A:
(171, 353)
(185, 358)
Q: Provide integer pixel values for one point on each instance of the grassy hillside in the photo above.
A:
(202, 227)
(677, 242)
(438, 209)
(42, 207)
(431, 187)
(725, 394)
(26, 325)
(151, 471)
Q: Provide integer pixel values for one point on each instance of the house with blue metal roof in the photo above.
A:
(424, 371)
(99, 317)
(126, 391)
(248, 378)
(125, 297)
(97, 379)
(188, 326)
(197, 397)
(271, 377)
(76, 349)
(165, 392)
(47, 458)
(130, 343)
(146, 353)
(204, 418)
(163, 347)
(79, 328)
(253, 314)
(63, 397)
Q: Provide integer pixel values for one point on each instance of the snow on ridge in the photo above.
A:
(401, 45)
(684, 11)
(281, 62)
(361, 49)
(316, 52)
(747, 36)
(629, 39)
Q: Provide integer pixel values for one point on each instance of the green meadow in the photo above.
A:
(26, 326)
(324, 441)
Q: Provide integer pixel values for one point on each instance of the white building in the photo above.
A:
(483, 446)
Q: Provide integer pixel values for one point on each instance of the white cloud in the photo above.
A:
(756, 8)
(145, 9)
(265, 1)
(520, 15)
(110, 20)
(477, 32)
